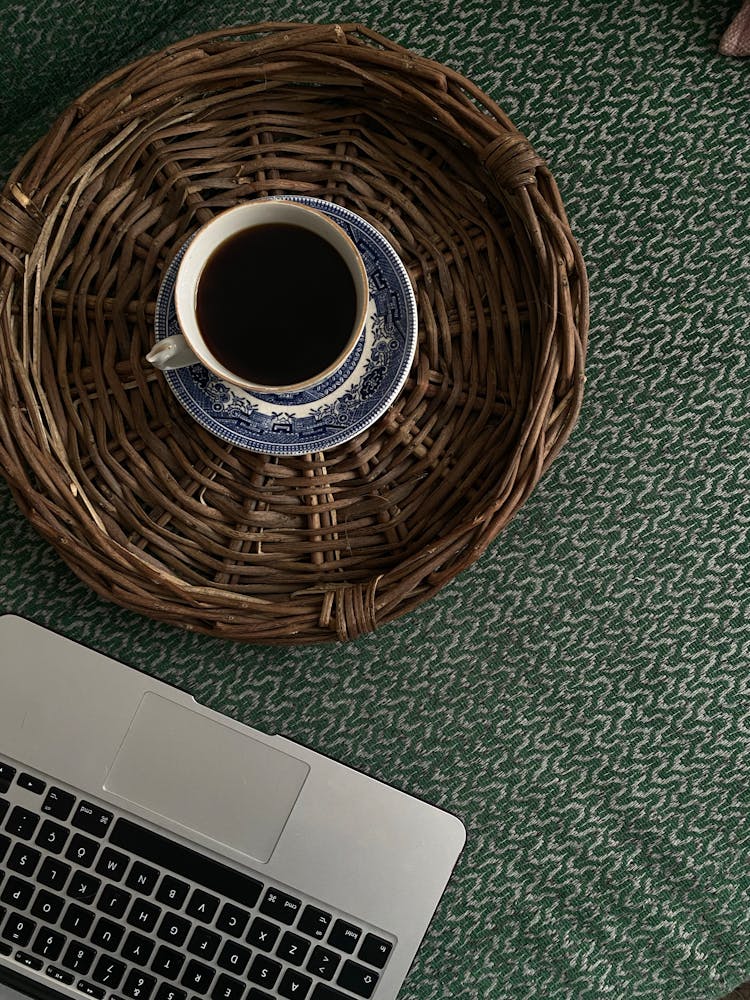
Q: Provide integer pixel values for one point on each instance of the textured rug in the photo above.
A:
(580, 695)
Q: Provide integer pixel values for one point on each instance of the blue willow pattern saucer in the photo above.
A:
(342, 406)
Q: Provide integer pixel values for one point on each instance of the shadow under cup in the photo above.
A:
(272, 296)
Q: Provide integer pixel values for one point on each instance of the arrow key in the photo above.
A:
(357, 979)
(294, 985)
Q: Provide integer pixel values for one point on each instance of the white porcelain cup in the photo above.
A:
(190, 347)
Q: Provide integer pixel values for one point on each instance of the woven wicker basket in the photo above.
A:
(151, 510)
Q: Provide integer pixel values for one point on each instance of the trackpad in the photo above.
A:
(206, 776)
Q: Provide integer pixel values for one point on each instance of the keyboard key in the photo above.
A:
(167, 963)
(5, 949)
(293, 948)
(183, 861)
(280, 906)
(168, 992)
(197, 977)
(357, 979)
(173, 929)
(107, 934)
(83, 887)
(23, 860)
(58, 803)
(142, 878)
(52, 837)
(17, 892)
(109, 972)
(60, 975)
(294, 985)
(90, 990)
(203, 943)
(7, 774)
(114, 901)
(172, 892)
(19, 929)
(112, 864)
(264, 971)
(47, 906)
(138, 985)
(4, 845)
(256, 994)
(375, 951)
(78, 957)
(234, 957)
(227, 988)
(77, 920)
(21, 823)
(137, 948)
(314, 922)
(31, 783)
(82, 850)
(53, 873)
(345, 936)
(323, 963)
(202, 906)
(48, 943)
(28, 960)
(324, 992)
(143, 915)
(232, 920)
(263, 934)
(92, 819)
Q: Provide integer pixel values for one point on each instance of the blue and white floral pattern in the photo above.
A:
(342, 406)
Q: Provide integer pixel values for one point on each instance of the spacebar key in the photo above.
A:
(183, 861)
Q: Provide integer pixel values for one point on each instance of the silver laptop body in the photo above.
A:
(181, 818)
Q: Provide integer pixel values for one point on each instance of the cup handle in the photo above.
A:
(170, 353)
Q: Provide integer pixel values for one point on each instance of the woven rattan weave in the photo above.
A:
(150, 509)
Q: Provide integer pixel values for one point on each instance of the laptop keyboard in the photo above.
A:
(112, 909)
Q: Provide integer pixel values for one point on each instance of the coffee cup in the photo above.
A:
(270, 295)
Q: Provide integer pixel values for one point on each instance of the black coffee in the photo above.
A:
(276, 304)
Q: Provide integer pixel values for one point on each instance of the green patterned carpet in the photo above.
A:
(580, 696)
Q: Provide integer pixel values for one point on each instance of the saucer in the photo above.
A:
(344, 404)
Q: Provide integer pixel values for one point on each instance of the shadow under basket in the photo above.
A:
(150, 509)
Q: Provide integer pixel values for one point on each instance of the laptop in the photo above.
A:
(152, 849)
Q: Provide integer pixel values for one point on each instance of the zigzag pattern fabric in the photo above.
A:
(580, 695)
